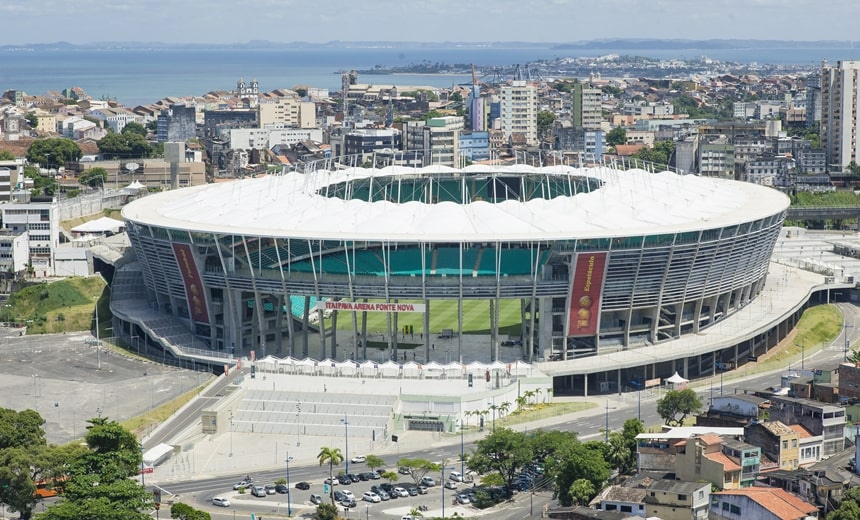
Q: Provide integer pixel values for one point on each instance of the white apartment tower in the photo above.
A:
(840, 112)
(519, 109)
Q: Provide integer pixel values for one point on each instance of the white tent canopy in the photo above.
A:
(100, 226)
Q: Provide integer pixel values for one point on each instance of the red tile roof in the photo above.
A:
(804, 433)
(779, 502)
(728, 464)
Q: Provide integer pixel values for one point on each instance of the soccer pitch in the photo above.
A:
(443, 315)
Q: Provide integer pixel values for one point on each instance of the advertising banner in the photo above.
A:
(586, 289)
(330, 305)
(193, 285)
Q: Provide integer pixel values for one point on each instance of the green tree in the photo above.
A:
(94, 177)
(616, 136)
(53, 152)
(6, 155)
(32, 120)
(135, 128)
(390, 476)
(373, 462)
(577, 461)
(504, 451)
(617, 452)
(676, 405)
(581, 491)
(334, 457)
(418, 468)
(100, 484)
(21, 429)
(660, 154)
(17, 489)
(124, 146)
(186, 512)
(848, 510)
(325, 512)
(547, 444)
(853, 168)
(545, 119)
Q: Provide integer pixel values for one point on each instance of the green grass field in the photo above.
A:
(443, 315)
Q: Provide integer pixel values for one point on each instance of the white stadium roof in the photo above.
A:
(629, 203)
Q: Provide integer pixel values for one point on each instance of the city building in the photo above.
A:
(518, 111)
(38, 218)
(780, 444)
(840, 113)
(586, 109)
(724, 462)
(820, 419)
(677, 500)
(177, 123)
(289, 112)
(475, 146)
(437, 139)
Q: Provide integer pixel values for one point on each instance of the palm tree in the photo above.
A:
(415, 513)
(521, 402)
(549, 393)
(504, 407)
(528, 394)
(538, 391)
(334, 457)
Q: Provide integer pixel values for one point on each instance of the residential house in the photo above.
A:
(725, 463)
(676, 500)
(819, 418)
(760, 503)
(657, 451)
(779, 443)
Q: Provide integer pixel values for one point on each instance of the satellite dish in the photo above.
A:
(132, 166)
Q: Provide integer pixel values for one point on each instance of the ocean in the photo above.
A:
(144, 76)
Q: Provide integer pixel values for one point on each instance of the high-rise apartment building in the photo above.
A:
(519, 108)
(840, 112)
(585, 108)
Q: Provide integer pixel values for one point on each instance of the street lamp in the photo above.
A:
(289, 505)
(98, 343)
(231, 432)
(345, 422)
(35, 386)
(462, 452)
(493, 408)
(298, 424)
(606, 435)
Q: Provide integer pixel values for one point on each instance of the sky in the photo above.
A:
(555, 21)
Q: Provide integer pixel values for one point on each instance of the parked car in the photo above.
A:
(338, 496)
(330, 481)
(383, 495)
(374, 475)
(428, 481)
(404, 471)
(353, 477)
(451, 484)
(258, 491)
(220, 501)
(316, 499)
(343, 479)
(359, 459)
(387, 487)
(270, 489)
(463, 498)
(241, 484)
(348, 494)
(370, 496)
(364, 476)
(399, 491)
(348, 502)
(422, 490)
(282, 488)
(456, 476)
(304, 486)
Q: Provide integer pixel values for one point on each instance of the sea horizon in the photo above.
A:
(143, 76)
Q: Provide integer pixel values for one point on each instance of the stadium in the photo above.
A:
(587, 260)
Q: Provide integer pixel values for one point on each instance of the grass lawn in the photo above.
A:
(443, 315)
(61, 306)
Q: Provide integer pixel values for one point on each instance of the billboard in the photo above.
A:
(331, 305)
(193, 285)
(586, 288)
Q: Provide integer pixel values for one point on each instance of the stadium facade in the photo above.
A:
(599, 259)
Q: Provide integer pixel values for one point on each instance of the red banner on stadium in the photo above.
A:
(585, 290)
(193, 285)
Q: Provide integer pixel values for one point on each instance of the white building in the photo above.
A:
(519, 108)
(116, 118)
(265, 138)
(39, 220)
(840, 112)
(288, 112)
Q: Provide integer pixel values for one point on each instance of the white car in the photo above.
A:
(348, 494)
(358, 460)
(401, 492)
(370, 496)
(220, 501)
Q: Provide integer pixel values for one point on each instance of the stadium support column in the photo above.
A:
(305, 324)
(364, 331)
(426, 329)
(279, 324)
(334, 335)
(396, 325)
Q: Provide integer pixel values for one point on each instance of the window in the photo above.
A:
(794, 443)
(785, 445)
(735, 510)
(682, 498)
